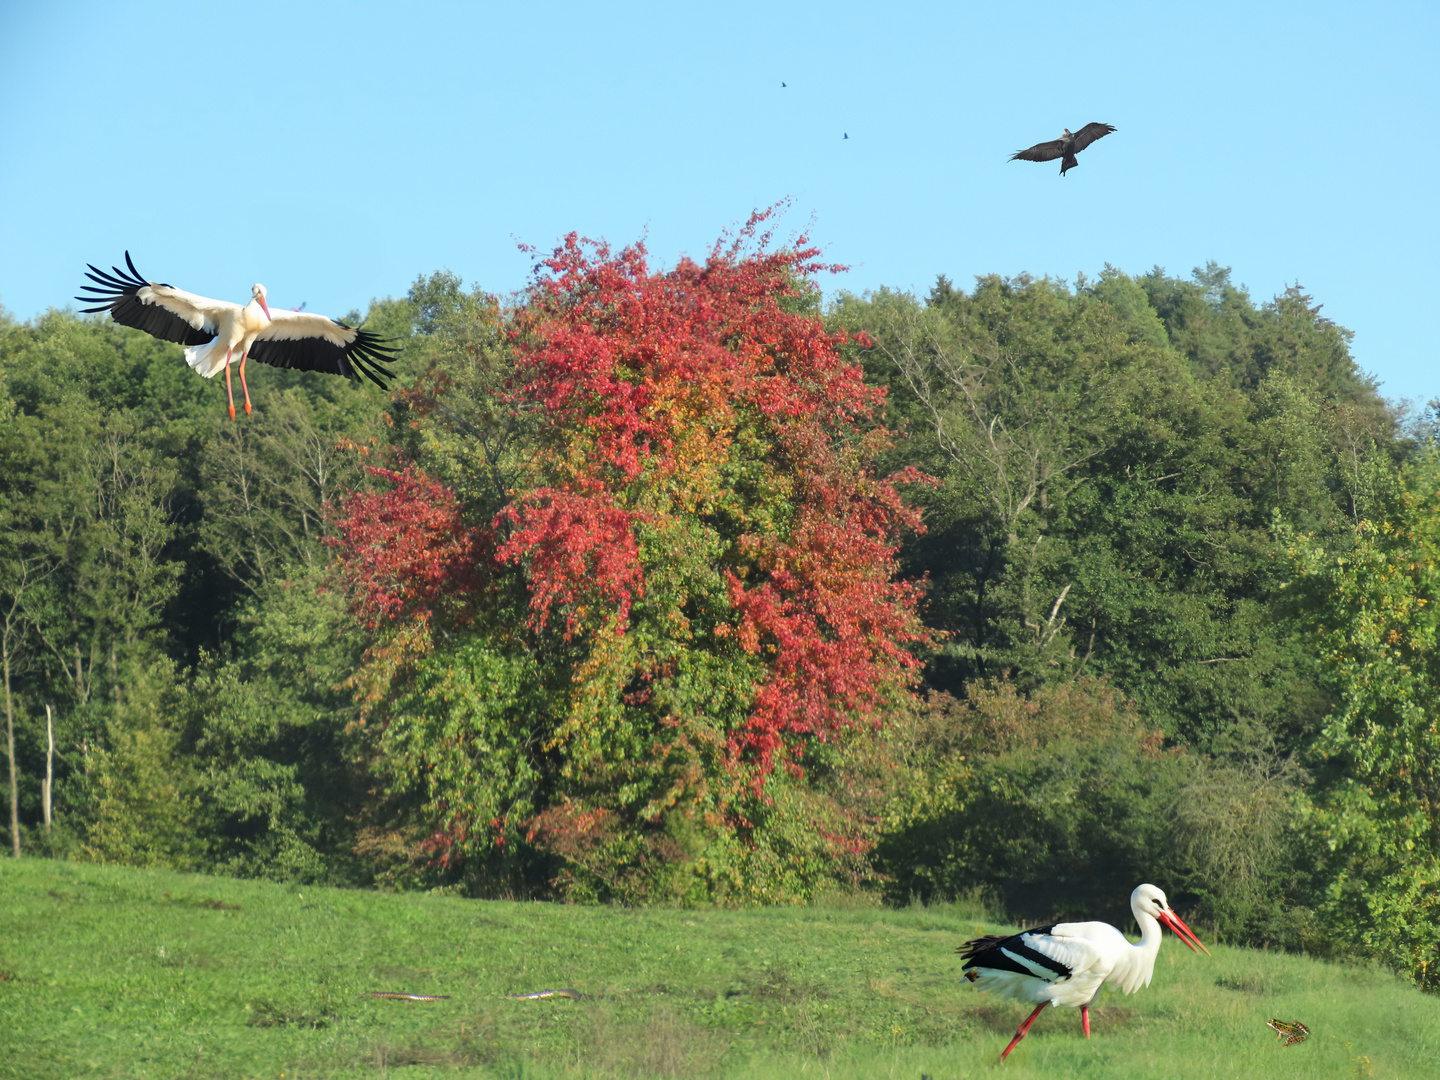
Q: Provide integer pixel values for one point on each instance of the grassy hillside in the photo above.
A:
(111, 972)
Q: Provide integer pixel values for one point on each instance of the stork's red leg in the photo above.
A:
(1023, 1029)
(1085, 1018)
(229, 393)
(243, 355)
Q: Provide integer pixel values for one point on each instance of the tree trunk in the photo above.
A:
(48, 794)
(10, 745)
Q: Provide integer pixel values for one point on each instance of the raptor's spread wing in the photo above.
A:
(1089, 133)
(1045, 151)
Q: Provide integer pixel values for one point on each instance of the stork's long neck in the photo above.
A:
(1149, 933)
(1144, 953)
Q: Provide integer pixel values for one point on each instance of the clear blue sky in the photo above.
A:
(335, 151)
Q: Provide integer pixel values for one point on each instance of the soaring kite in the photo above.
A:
(1066, 147)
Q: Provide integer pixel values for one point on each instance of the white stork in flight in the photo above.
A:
(216, 331)
(1066, 964)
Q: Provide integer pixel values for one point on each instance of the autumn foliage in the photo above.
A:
(701, 562)
(407, 549)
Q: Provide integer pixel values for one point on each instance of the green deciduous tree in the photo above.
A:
(143, 792)
(137, 528)
(1111, 458)
(1374, 814)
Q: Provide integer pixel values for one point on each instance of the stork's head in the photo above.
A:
(257, 293)
(1151, 901)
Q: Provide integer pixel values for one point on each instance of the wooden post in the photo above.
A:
(48, 788)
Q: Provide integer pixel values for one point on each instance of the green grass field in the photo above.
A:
(113, 972)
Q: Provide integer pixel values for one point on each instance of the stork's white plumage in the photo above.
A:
(216, 331)
(1066, 964)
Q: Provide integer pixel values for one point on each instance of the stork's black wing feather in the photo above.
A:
(1045, 151)
(1089, 133)
(991, 952)
(976, 946)
(117, 295)
(367, 354)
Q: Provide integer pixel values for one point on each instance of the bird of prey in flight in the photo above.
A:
(1065, 147)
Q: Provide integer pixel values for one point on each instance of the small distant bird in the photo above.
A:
(782, 86)
(215, 331)
(1066, 964)
(847, 134)
(1066, 147)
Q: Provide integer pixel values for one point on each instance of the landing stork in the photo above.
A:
(215, 331)
(1066, 964)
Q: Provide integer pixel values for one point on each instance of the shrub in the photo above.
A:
(1058, 803)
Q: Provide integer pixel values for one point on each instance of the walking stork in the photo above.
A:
(215, 331)
(1066, 964)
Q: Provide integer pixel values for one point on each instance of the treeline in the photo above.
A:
(680, 587)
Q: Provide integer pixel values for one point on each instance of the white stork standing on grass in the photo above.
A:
(1066, 964)
(216, 331)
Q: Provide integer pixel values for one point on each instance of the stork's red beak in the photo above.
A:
(265, 308)
(1183, 932)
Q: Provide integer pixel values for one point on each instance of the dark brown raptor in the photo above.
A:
(1066, 147)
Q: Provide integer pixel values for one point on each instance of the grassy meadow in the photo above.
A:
(118, 972)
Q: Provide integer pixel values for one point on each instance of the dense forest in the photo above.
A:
(685, 586)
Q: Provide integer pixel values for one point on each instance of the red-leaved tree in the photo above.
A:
(694, 579)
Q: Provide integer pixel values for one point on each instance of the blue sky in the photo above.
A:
(335, 151)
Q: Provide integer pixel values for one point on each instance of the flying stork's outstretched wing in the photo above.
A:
(308, 342)
(162, 311)
(1089, 133)
(1045, 151)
